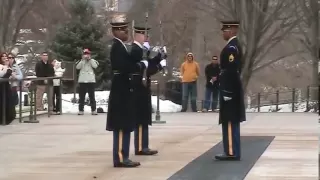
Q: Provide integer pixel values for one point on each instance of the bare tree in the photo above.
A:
(177, 27)
(264, 24)
(12, 14)
(309, 31)
(43, 21)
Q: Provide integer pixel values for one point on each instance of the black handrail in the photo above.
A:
(32, 88)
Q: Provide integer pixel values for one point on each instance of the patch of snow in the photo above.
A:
(102, 101)
(298, 107)
(165, 105)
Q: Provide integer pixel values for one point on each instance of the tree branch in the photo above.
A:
(257, 68)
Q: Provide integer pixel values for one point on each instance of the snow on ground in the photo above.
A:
(102, 101)
(165, 105)
(298, 107)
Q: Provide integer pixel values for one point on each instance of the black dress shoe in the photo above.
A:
(223, 157)
(147, 152)
(127, 164)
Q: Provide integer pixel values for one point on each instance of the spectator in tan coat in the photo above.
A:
(190, 72)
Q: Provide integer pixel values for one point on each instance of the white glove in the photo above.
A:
(156, 49)
(146, 45)
(226, 98)
(164, 49)
(145, 62)
(163, 62)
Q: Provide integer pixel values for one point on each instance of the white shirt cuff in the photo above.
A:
(145, 62)
(163, 63)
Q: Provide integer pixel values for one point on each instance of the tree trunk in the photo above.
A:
(315, 48)
(245, 77)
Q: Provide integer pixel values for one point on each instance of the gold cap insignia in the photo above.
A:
(119, 18)
(231, 58)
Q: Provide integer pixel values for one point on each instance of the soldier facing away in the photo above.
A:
(142, 91)
(120, 111)
(232, 109)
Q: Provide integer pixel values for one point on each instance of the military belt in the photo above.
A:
(116, 72)
(224, 70)
(136, 74)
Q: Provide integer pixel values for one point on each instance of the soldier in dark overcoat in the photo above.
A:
(142, 90)
(232, 109)
(119, 118)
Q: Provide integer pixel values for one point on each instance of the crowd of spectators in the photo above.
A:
(11, 77)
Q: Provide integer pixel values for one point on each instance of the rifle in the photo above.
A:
(145, 79)
(164, 49)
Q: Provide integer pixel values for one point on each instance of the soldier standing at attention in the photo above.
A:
(119, 118)
(232, 109)
(142, 92)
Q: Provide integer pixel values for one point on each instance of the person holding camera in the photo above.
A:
(16, 75)
(87, 81)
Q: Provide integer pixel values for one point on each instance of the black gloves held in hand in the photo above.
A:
(8, 73)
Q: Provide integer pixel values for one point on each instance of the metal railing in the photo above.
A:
(256, 101)
(32, 88)
(293, 97)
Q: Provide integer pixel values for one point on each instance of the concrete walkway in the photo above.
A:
(72, 147)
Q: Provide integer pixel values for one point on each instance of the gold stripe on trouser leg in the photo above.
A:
(140, 137)
(120, 139)
(230, 139)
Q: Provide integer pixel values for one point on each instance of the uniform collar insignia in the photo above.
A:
(137, 43)
(231, 39)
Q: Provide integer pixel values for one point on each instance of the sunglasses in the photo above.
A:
(10, 57)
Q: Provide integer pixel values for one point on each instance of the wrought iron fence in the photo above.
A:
(308, 98)
(27, 85)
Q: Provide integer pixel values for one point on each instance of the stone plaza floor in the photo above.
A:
(71, 147)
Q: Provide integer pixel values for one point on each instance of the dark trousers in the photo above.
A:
(56, 99)
(141, 138)
(231, 139)
(85, 88)
(15, 100)
(121, 146)
(211, 98)
(189, 89)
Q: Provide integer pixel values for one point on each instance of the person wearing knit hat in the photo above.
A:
(87, 81)
(189, 71)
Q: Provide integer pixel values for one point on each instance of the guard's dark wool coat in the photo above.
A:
(231, 85)
(120, 106)
(142, 92)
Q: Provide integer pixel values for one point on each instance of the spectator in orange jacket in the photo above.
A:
(190, 72)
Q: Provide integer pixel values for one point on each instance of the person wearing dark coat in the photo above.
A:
(212, 72)
(142, 91)
(232, 109)
(6, 109)
(120, 112)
